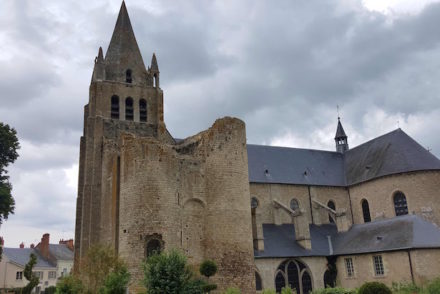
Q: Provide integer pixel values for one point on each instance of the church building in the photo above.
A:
(268, 216)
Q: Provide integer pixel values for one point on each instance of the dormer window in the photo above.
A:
(128, 76)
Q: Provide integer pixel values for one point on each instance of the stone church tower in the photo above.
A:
(140, 190)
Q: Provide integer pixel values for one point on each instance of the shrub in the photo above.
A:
(433, 287)
(50, 290)
(208, 268)
(287, 290)
(117, 281)
(69, 285)
(374, 288)
(337, 290)
(194, 287)
(99, 262)
(232, 291)
(167, 272)
(269, 291)
(404, 288)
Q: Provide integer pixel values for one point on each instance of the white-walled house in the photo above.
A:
(53, 262)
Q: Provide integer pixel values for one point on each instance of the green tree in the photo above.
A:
(97, 266)
(374, 288)
(208, 268)
(70, 284)
(29, 275)
(168, 273)
(8, 154)
(117, 281)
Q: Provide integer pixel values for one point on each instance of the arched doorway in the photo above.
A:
(295, 274)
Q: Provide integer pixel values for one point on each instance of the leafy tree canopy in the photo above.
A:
(8, 154)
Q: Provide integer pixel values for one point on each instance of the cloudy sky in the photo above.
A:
(281, 66)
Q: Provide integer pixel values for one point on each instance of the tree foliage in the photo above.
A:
(168, 273)
(374, 288)
(100, 264)
(116, 282)
(29, 275)
(70, 284)
(8, 154)
(208, 268)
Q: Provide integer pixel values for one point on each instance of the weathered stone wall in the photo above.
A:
(422, 191)
(425, 265)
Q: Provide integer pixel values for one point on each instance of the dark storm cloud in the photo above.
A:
(281, 68)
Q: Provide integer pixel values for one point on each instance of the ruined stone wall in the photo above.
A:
(422, 191)
(194, 195)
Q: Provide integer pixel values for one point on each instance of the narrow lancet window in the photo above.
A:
(366, 211)
(331, 205)
(400, 204)
(129, 108)
(143, 110)
(115, 107)
(128, 76)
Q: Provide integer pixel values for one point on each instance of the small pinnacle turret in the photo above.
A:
(154, 70)
(341, 138)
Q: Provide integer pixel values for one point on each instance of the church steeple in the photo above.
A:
(123, 60)
(341, 138)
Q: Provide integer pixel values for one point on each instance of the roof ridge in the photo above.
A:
(294, 148)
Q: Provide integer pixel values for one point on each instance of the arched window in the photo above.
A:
(254, 202)
(129, 108)
(331, 205)
(400, 205)
(258, 284)
(115, 107)
(142, 110)
(366, 211)
(128, 76)
(153, 247)
(280, 282)
(294, 204)
(295, 274)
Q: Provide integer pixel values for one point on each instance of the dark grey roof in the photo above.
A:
(268, 164)
(61, 251)
(340, 133)
(279, 241)
(20, 256)
(399, 233)
(392, 153)
(389, 154)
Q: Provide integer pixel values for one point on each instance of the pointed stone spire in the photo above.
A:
(341, 138)
(154, 66)
(123, 52)
(100, 55)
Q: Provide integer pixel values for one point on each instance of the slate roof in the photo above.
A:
(61, 251)
(281, 165)
(20, 256)
(398, 233)
(392, 153)
(340, 133)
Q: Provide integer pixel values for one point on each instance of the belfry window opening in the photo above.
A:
(142, 110)
(114, 107)
(128, 76)
(129, 108)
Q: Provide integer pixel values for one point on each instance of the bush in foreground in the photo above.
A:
(337, 290)
(374, 288)
(433, 287)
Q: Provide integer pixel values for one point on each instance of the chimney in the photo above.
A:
(32, 245)
(44, 246)
(21, 245)
(342, 222)
(68, 243)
